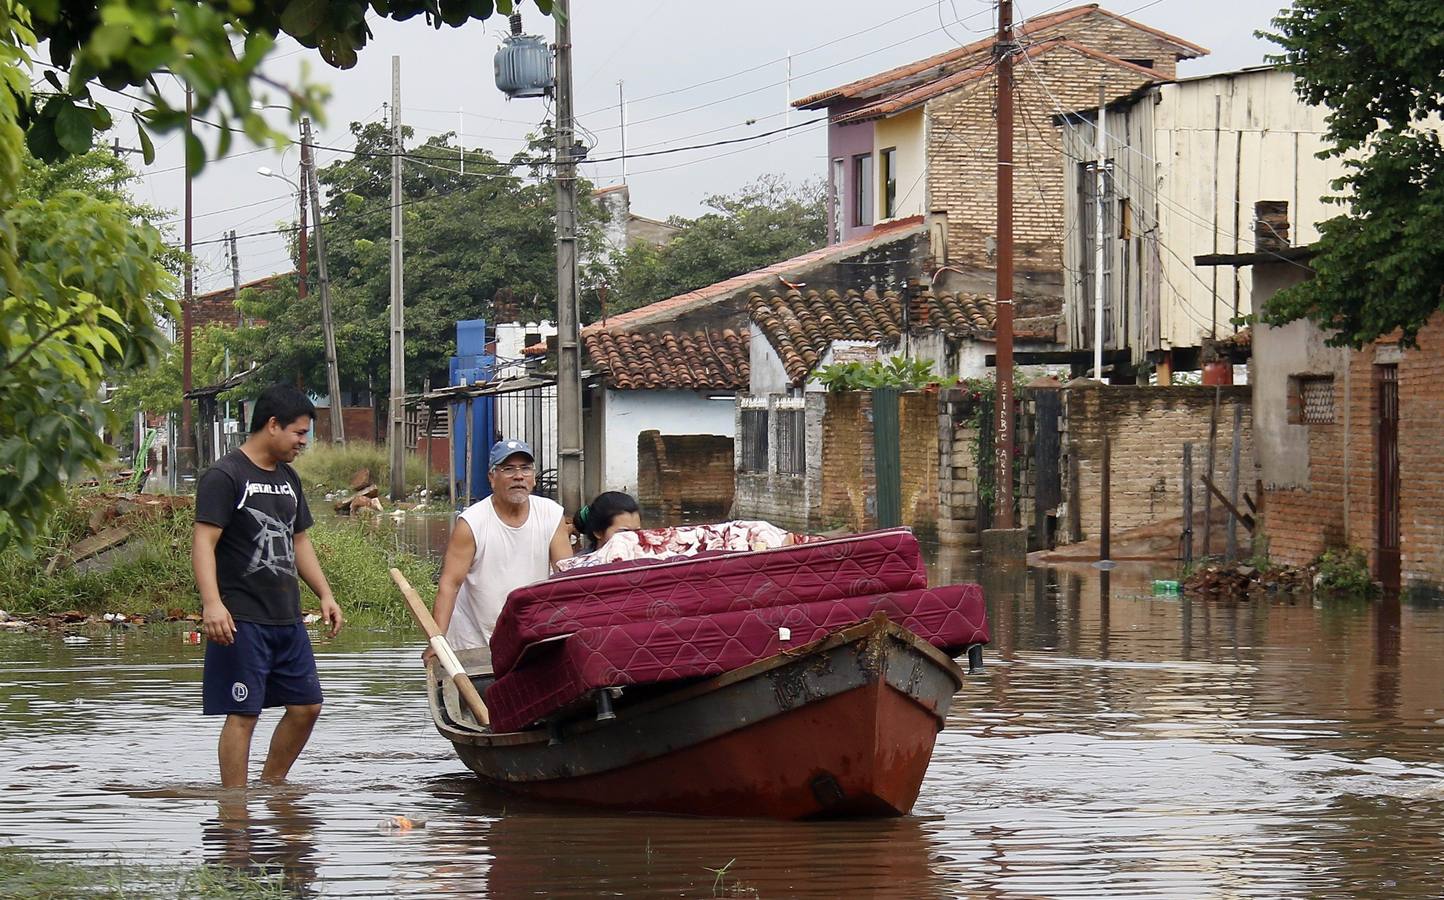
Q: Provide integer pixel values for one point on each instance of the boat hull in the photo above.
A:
(842, 727)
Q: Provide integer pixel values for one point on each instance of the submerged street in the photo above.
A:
(1135, 745)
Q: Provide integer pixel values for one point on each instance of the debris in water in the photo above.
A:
(75, 639)
(400, 823)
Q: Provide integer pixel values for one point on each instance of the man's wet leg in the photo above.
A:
(235, 749)
(292, 733)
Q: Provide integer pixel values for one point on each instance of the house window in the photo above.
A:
(888, 160)
(1088, 203)
(791, 437)
(862, 185)
(1311, 400)
(839, 197)
(753, 436)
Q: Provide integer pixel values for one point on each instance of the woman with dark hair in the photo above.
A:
(609, 513)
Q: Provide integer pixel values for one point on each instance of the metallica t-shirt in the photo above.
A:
(259, 514)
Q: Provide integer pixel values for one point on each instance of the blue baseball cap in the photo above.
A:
(503, 449)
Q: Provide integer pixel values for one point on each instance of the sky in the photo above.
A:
(691, 72)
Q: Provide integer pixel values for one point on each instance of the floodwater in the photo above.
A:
(1118, 745)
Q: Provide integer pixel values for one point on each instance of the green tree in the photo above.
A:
(1379, 68)
(81, 282)
(466, 238)
(764, 222)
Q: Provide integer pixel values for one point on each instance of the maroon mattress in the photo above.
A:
(872, 563)
(645, 652)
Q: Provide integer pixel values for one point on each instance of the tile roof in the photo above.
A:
(765, 278)
(892, 104)
(801, 327)
(701, 359)
(947, 62)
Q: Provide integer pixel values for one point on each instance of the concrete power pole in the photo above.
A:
(185, 461)
(305, 272)
(569, 385)
(333, 377)
(395, 428)
(1003, 433)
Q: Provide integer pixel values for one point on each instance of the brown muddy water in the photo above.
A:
(1119, 745)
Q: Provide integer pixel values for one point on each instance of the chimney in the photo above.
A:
(1271, 225)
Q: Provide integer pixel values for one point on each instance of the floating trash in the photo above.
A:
(1165, 588)
(190, 637)
(310, 619)
(400, 823)
(75, 639)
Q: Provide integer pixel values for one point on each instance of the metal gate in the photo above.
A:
(1386, 380)
(1047, 453)
(887, 456)
(531, 415)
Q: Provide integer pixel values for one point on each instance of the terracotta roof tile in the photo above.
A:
(948, 62)
(893, 103)
(765, 277)
(801, 327)
(653, 359)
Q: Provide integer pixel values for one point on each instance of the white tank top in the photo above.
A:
(506, 558)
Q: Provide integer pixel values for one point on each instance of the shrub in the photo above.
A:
(1344, 571)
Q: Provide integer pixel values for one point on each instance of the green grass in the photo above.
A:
(327, 467)
(30, 876)
(156, 575)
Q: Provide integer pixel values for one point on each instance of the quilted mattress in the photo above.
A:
(621, 593)
(650, 651)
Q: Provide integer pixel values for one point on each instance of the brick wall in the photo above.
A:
(962, 133)
(1303, 522)
(849, 499)
(684, 478)
(1148, 427)
(359, 421)
(849, 473)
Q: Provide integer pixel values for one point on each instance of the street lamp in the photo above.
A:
(301, 244)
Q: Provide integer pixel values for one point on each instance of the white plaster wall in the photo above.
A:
(629, 413)
(767, 373)
(511, 340)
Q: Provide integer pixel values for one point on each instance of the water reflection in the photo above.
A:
(1118, 744)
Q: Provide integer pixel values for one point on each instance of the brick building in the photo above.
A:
(1348, 440)
(919, 138)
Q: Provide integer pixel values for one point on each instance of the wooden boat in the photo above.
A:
(842, 726)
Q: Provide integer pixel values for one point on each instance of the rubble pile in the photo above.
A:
(1242, 581)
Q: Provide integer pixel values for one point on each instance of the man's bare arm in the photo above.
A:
(215, 618)
(309, 568)
(561, 544)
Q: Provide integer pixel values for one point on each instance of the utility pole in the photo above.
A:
(1100, 182)
(395, 430)
(333, 378)
(235, 297)
(622, 117)
(186, 452)
(305, 180)
(787, 108)
(1003, 432)
(569, 385)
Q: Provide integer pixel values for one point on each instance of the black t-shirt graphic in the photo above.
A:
(259, 514)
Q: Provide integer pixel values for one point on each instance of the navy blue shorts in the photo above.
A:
(267, 665)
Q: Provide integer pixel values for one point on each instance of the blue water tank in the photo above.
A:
(524, 66)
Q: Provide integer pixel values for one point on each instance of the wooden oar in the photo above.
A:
(444, 654)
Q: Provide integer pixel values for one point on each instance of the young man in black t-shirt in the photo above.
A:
(248, 546)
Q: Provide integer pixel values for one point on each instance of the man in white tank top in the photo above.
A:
(509, 539)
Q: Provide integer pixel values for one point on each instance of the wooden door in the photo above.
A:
(1386, 468)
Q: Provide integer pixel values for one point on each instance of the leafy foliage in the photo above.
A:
(1380, 69)
(217, 49)
(81, 281)
(1344, 571)
(764, 222)
(898, 372)
(467, 239)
